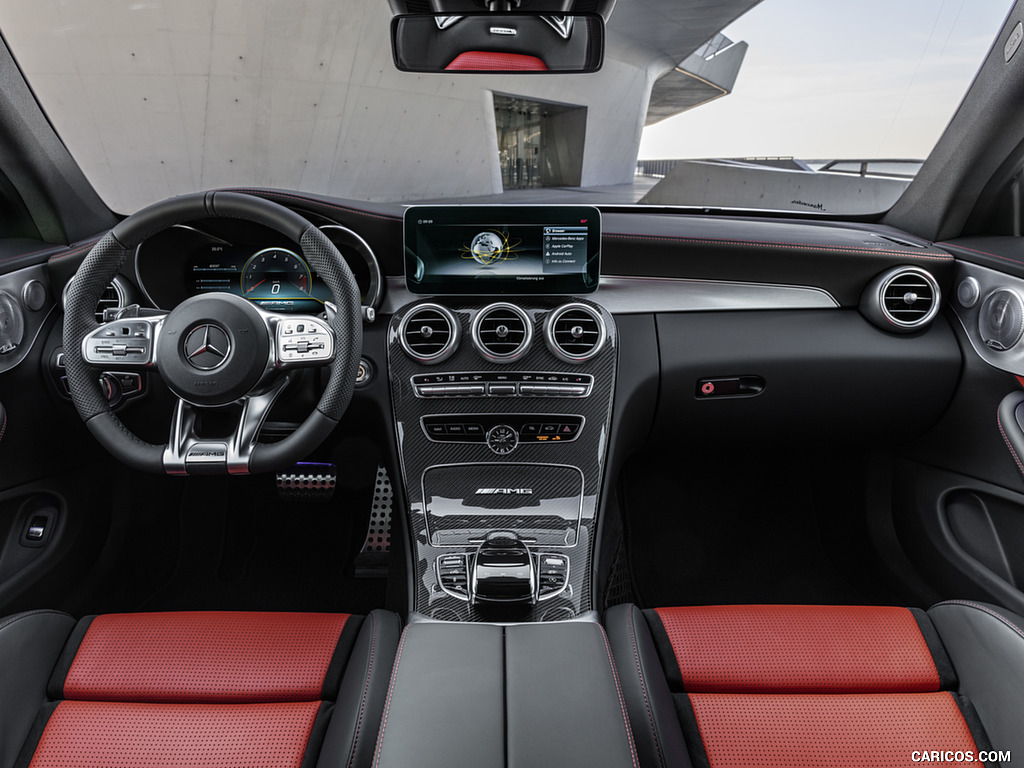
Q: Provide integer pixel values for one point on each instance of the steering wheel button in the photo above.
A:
(130, 382)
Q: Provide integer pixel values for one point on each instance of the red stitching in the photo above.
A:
(366, 691)
(78, 250)
(1009, 445)
(983, 609)
(983, 253)
(387, 706)
(3, 427)
(27, 255)
(622, 702)
(763, 244)
(313, 200)
(643, 689)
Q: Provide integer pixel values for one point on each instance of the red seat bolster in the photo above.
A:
(204, 657)
(176, 735)
(796, 730)
(798, 649)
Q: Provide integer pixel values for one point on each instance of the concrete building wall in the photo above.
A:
(734, 184)
(161, 98)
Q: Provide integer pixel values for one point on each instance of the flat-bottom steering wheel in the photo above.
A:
(214, 349)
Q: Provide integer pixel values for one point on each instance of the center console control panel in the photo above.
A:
(502, 525)
(527, 428)
(512, 384)
(503, 569)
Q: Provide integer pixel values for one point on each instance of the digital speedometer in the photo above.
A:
(276, 277)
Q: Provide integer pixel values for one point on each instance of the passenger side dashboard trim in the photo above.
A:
(644, 295)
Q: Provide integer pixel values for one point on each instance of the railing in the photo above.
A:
(657, 168)
(662, 168)
(896, 168)
(891, 168)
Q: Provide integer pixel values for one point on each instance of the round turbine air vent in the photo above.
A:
(502, 332)
(903, 299)
(575, 333)
(114, 296)
(429, 334)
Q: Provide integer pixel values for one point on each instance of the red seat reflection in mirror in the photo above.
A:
(489, 61)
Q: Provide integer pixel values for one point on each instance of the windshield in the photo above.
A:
(780, 105)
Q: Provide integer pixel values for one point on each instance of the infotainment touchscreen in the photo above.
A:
(499, 249)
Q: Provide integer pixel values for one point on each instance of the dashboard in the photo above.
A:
(509, 404)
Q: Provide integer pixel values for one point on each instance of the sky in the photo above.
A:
(825, 79)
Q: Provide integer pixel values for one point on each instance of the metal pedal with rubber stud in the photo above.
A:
(308, 481)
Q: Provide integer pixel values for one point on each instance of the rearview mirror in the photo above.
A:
(498, 43)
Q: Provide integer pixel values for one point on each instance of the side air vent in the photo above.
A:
(502, 333)
(113, 297)
(575, 333)
(429, 334)
(902, 300)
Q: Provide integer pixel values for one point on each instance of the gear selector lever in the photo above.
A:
(503, 570)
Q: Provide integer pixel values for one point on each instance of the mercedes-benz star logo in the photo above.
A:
(207, 347)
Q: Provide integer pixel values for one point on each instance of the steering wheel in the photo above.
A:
(213, 349)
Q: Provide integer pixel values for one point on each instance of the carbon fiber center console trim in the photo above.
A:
(504, 495)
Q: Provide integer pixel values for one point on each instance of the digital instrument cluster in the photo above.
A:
(277, 279)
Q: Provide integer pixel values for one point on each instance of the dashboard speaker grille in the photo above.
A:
(502, 333)
(575, 333)
(909, 298)
(429, 333)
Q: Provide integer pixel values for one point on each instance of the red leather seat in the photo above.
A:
(753, 686)
(194, 689)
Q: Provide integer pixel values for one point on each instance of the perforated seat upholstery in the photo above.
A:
(753, 686)
(280, 690)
